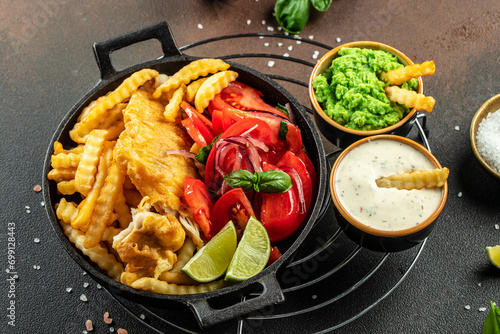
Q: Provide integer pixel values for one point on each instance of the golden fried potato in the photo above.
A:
(431, 178)
(99, 112)
(211, 87)
(192, 89)
(174, 104)
(403, 74)
(155, 285)
(410, 98)
(192, 71)
(87, 168)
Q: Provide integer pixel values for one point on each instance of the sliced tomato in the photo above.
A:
(310, 168)
(254, 128)
(291, 160)
(280, 213)
(198, 126)
(217, 124)
(233, 205)
(243, 97)
(201, 203)
(274, 256)
(194, 132)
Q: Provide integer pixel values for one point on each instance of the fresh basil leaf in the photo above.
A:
(202, 155)
(492, 321)
(292, 15)
(241, 179)
(283, 130)
(272, 182)
(321, 5)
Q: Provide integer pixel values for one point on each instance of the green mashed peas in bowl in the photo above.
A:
(348, 94)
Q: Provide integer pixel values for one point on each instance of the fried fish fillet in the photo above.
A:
(141, 152)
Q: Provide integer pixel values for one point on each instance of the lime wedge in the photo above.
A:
(212, 260)
(252, 253)
(494, 255)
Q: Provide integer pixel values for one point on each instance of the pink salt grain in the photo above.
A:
(89, 326)
(107, 319)
(121, 331)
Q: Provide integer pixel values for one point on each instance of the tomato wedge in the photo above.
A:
(252, 127)
(233, 205)
(291, 160)
(197, 125)
(274, 256)
(310, 168)
(243, 97)
(201, 203)
(280, 213)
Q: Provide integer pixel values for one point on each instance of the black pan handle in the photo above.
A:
(208, 316)
(160, 31)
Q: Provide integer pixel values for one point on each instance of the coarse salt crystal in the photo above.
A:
(107, 319)
(280, 44)
(200, 26)
(339, 40)
(290, 48)
(314, 297)
(85, 285)
(270, 29)
(266, 44)
(459, 194)
(88, 324)
(286, 55)
(142, 316)
(270, 63)
(263, 22)
(467, 307)
(482, 309)
(122, 331)
(457, 128)
(497, 227)
(298, 42)
(488, 139)
(248, 22)
(68, 290)
(98, 286)
(83, 298)
(311, 37)
(37, 188)
(36, 240)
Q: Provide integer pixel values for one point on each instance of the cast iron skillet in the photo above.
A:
(205, 312)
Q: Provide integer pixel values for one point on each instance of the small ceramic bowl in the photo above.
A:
(340, 135)
(489, 106)
(379, 239)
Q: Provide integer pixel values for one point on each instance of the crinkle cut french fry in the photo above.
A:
(155, 285)
(66, 187)
(110, 233)
(123, 210)
(66, 211)
(431, 178)
(100, 111)
(174, 104)
(192, 88)
(104, 205)
(87, 207)
(87, 168)
(211, 87)
(97, 254)
(192, 71)
(62, 174)
(114, 115)
(410, 98)
(65, 160)
(403, 74)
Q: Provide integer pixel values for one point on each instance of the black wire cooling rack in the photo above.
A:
(329, 281)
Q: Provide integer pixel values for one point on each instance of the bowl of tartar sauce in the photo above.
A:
(384, 219)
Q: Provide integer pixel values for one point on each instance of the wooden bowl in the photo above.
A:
(492, 105)
(339, 134)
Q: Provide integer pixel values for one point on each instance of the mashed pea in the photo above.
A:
(351, 93)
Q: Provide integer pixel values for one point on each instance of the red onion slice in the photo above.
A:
(296, 179)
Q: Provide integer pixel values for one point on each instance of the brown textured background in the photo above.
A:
(47, 64)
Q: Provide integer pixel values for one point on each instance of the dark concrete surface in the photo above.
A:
(47, 64)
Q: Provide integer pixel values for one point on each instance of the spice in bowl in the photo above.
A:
(488, 139)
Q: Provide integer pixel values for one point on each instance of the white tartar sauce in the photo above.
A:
(387, 209)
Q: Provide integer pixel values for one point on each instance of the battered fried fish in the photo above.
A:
(141, 153)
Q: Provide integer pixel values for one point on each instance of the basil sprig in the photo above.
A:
(270, 182)
(292, 15)
(202, 155)
(492, 322)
